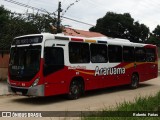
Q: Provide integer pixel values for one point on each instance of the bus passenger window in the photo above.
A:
(150, 55)
(128, 54)
(54, 59)
(53, 56)
(79, 52)
(98, 53)
(115, 53)
(140, 54)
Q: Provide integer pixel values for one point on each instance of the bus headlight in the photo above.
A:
(35, 82)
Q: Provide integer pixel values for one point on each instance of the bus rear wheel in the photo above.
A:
(134, 81)
(75, 90)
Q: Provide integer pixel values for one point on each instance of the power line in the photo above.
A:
(28, 4)
(45, 11)
(70, 6)
(77, 21)
(24, 5)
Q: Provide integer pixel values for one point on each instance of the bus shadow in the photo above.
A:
(115, 89)
(41, 100)
(62, 98)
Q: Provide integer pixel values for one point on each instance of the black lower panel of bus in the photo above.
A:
(23, 91)
(22, 78)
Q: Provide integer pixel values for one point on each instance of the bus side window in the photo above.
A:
(79, 52)
(128, 54)
(98, 53)
(54, 56)
(150, 55)
(53, 59)
(140, 54)
(114, 53)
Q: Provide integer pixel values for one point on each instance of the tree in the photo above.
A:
(4, 19)
(155, 37)
(17, 26)
(41, 21)
(121, 26)
(156, 31)
(13, 24)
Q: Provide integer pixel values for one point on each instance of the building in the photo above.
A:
(81, 33)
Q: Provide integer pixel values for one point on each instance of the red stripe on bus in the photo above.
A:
(77, 39)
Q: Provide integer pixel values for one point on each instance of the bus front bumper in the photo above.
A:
(29, 91)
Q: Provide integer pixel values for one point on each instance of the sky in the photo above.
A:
(88, 11)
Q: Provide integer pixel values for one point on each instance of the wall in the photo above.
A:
(4, 60)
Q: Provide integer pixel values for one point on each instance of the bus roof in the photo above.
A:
(107, 40)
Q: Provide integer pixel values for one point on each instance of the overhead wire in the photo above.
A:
(45, 11)
(28, 4)
(69, 6)
(24, 5)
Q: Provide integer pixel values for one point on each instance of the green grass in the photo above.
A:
(151, 103)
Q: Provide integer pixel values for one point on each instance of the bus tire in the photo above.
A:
(75, 90)
(134, 81)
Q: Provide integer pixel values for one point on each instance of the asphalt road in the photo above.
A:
(93, 100)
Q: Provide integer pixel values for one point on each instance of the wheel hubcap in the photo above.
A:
(134, 81)
(74, 89)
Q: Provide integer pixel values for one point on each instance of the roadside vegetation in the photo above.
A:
(125, 110)
(114, 25)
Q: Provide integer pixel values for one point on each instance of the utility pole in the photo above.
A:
(59, 18)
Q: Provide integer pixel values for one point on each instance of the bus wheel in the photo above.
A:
(134, 81)
(74, 90)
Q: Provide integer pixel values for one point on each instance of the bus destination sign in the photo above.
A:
(27, 40)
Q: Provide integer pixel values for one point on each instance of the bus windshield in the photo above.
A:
(24, 62)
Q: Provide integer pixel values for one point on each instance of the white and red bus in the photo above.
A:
(48, 64)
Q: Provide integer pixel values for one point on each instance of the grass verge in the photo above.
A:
(150, 104)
